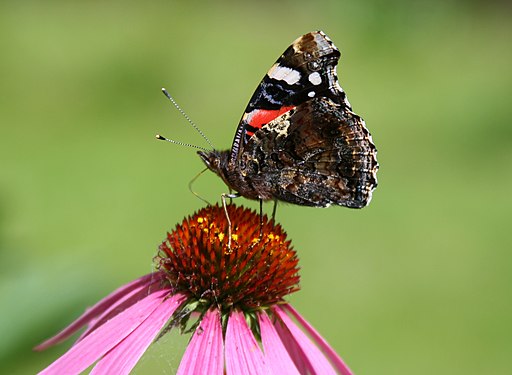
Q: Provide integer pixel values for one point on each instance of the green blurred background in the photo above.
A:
(417, 283)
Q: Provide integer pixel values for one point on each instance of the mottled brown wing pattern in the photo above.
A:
(318, 154)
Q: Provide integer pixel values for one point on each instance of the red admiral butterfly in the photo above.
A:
(298, 140)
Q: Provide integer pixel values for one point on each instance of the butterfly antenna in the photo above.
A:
(187, 118)
(162, 138)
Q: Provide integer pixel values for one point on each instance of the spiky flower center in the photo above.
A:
(255, 272)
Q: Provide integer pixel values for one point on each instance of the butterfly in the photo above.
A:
(298, 140)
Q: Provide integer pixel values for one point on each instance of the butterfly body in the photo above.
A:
(299, 140)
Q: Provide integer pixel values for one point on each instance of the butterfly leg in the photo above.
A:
(223, 197)
(274, 211)
(261, 218)
(261, 215)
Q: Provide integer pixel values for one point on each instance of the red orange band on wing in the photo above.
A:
(259, 117)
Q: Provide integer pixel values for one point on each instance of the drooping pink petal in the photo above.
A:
(99, 342)
(121, 304)
(205, 352)
(302, 362)
(242, 353)
(320, 341)
(123, 357)
(276, 357)
(315, 357)
(97, 309)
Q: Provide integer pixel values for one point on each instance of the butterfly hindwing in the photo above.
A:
(318, 154)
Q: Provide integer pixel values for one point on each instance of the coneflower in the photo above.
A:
(230, 297)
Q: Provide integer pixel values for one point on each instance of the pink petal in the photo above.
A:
(205, 351)
(320, 341)
(317, 362)
(82, 355)
(97, 309)
(243, 355)
(122, 304)
(301, 361)
(124, 356)
(276, 356)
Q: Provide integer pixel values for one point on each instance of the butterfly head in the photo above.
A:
(216, 161)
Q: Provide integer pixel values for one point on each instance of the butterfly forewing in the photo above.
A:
(307, 69)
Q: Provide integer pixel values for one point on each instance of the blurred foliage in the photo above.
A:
(417, 282)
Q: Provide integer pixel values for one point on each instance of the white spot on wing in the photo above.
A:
(282, 73)
(315, 78)
(311, 94)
